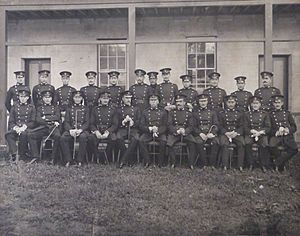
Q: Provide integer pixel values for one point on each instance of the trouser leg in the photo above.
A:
(213, 154)
(241, 155)
(162, 153)
(65, 142)
(285, 157)
(265, 157)
(128, 153)
(56, 145)
(225, 156)
(144, 151)
(202, 154)
(11, 142)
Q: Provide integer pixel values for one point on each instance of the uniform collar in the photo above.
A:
(153, 109)
(234, 109)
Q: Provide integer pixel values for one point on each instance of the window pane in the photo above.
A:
(192, 61)
(121, 50)
(210, 47)
(201, 61)
(103, 79)
(103, 63)
(121, 63)
(210, 59)
(191, 48)
(208, 72)
(112, 63)
(201, 74)
(103, 50)
(192, 73)
(201, 47)
(112, 50)
(122, 78)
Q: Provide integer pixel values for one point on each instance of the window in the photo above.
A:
(201, 61)
(112, 57)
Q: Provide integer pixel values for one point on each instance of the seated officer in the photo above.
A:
(42, 86)
(63, 95)
(180, 126)
(139, 90)
(104, 124)
(266, 91)
(283, 127)
(205, 131)
(76, 128)
(167, 90)
(21, 119)
(216, 94)
(257, 127)
(114, 89)
(242, 95)
(153, 128)
(48, 120)
(12, 93)
(188, 91)
(128, 122)
(231, 130)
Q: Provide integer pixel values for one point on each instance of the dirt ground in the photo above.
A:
(39, 199)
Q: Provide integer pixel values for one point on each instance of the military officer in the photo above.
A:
(241, 94)
(206, 131)
(63, 95)
(114, 89)
(128, 123)
(104, 124)
(167, 90)
(153, 86)
(257, 127)
(267, 91)
(12, 93)
(216, 94)
(180, 126)
(42, 86)
(283, 128)
(231, 130)
(139, 90)
(76, 129)
(190, 93)
(153, 128)
(90, 92)
(48, 120)
(21, 119)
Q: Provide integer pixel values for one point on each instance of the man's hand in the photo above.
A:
(78, 132)
(190, 106)
(73, 133)
(98, 134)
(286, 131)
(203, 136)
(210, 135)
(106, 133)
(56, 123)
(154, 129)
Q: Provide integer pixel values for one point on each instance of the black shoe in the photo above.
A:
(192, 167)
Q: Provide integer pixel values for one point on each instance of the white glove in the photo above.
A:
(210, 135)
(154, 129)
(56, 123)
(203, 136)
(105, 135)
(286, 131)
(73, 132)
(98, 134)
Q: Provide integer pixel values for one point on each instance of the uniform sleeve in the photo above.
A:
(39, 118)
(171, 127)
(190, 124)
(55, 97)
(293, 126)
(31, 122)
(12, 118)
(93, 125)
(143, 126)
(267, 124)
(221, 124)
(215, 122)
(137, 117)
(162, 128)
(56, 116)
(114, 124)
(67, 122)
(240, 125)
(34, 96)
(8, 98)
(247, 125)
(196, 130)
(86, 123)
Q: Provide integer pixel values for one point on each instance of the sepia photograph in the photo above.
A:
(149, 117)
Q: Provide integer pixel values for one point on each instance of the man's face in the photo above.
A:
(203, 102)
(44, 78)
(65, 79)
(20, 79)
(186, 83)
(153, 80)
(255, 105)
(113, 80)
(140, 79)
(278, 104)
(77, 99)
(91, 78)
(104, 100)
(230, 103)
(180, 103)
(47, 99)
(127, 100)
(266, 80)
(153, 101)
(165, 76)
(241, 85)
(214, 81)
(23, 98)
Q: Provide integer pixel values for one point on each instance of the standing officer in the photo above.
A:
(153, 87)
(12, 93)
(283, 128)
(139, 90)
(267, 91)
(48, 120)
(128, 123)
(167, 90)
(153, 128)
(114, 89)
(242, 95)
(231, 129)
(205, 131)
(104, 124)
(180, 126)
(257, 127)
(42, 86)
(190, 93)
(21, 119)
(76, 129)
(216, 94)
(63, 95)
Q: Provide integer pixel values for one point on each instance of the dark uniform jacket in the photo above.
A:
(190, 93)
(90, 95)
(36, 93)
(104, 118)
(12, 94)
(231, 120)
(180, 118)
(22, 114)
(82, 118)
(154, 117)
(216, 98)
(266, 94)
(242, 99)
(46, 115)
(167, 92)
(115, 94)
(63, 96)
(132, 112)
(152, 89)
(139, 95)
(205, 120)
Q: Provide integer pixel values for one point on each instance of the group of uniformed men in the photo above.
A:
(209, 123)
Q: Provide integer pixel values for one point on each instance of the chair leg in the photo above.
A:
(106, 157)
(41, 150)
